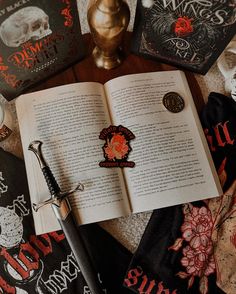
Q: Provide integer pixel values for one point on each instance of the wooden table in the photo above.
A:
(86, 71)
(127, 230)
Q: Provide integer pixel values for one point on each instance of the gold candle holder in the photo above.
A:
(108, 21)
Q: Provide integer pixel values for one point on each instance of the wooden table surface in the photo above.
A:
(86, 71)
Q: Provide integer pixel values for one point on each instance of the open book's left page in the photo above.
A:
(68, 120)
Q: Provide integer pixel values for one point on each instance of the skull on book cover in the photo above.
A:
(28, 23)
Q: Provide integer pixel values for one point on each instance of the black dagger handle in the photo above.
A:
(62, 210)
(36, 147)
(53, 187)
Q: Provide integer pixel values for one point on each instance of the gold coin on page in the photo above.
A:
(173, 102)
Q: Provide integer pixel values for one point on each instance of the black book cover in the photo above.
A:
(187, 34)
(37, 39)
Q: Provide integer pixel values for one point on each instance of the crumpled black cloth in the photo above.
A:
(45, 264)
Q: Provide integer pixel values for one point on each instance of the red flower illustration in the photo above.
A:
(198, 258)
(199, 262)
(210, 233)
(117, 147)
(183, 26)
(197, 227)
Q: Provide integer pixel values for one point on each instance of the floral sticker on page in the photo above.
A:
(116, 148)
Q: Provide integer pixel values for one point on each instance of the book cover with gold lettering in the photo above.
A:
(37, 39)
(187, 33)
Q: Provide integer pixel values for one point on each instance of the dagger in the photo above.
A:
(60, 204)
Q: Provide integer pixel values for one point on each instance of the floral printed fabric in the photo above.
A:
(197, 229)
(223, 238)
(191, 248)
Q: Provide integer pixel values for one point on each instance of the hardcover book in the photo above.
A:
(172, 160)
(37, 39)
(187, 34)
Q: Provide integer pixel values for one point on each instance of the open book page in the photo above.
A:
(68, 120)
(173, 163)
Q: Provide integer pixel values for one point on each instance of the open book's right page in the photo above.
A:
(173, 162)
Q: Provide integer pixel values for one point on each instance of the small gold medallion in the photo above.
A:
(173, 102)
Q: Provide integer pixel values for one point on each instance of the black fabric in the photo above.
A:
(154, 267)
(219, 123)
(181, 249)
(45, 264)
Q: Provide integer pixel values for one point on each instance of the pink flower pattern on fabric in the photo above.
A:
(198, 262)
(197, 227)
(198, 258)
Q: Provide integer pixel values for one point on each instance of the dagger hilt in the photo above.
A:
(56, 194)
(36, 147)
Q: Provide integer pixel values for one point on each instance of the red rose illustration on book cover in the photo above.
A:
(183, 26)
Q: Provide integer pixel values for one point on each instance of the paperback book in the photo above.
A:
(173, 164)
(37, 39)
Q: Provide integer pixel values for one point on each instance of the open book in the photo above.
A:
(173, 164)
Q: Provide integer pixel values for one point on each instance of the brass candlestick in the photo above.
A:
(108, 21)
